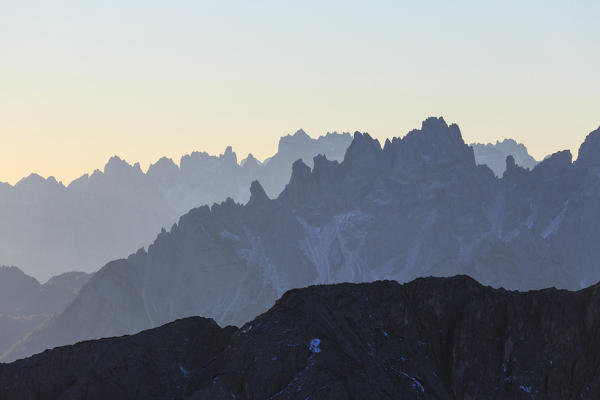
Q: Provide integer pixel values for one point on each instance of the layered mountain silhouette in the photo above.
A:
(25, 303)
(494, 155)
(417, 206)
(433, 338)
(47, 228)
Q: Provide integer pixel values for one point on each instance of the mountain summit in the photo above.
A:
(589, 151)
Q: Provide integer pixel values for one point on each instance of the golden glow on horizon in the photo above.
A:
(85, 82)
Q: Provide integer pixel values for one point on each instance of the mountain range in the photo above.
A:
(416, 206)
(47, 228)
(433, 338)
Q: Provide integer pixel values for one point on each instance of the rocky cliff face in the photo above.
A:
(48, 228)
(434, 338)
(418, 206)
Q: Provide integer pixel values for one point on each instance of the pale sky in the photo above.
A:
(81, 81)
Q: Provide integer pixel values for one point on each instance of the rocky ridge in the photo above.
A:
(433, 338)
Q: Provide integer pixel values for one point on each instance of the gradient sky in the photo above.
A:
(83, 80)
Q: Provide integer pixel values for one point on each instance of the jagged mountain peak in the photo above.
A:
(301, 133)
(508, 141)
(229, 156)
(117, 166)
(320, 162)
(299, 170)
(364, 149)
(589, 151)
(513, 170)
(337, 134)
(555, 163)
(34, 180)
(196, 160)
(510, 144)
(364, 137)
(163, 163)
(301, 174)
(300, 145)
(434, 123)
(115, 162)
(33, 177)
(164, 169)
(437, 147)
(435, 143)
(437, 133)
(257, 194)
(299, 189)
(250, 161)
(289, 143)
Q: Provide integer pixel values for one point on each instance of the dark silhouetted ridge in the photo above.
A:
(433, 338)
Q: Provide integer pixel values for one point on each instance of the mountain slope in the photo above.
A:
(47, 228)
(418, 206)
(433, 338)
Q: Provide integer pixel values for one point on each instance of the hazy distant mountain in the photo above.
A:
(25, 303)
(47, 228)
(418, 206)
(494, 155)
(434, 338)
